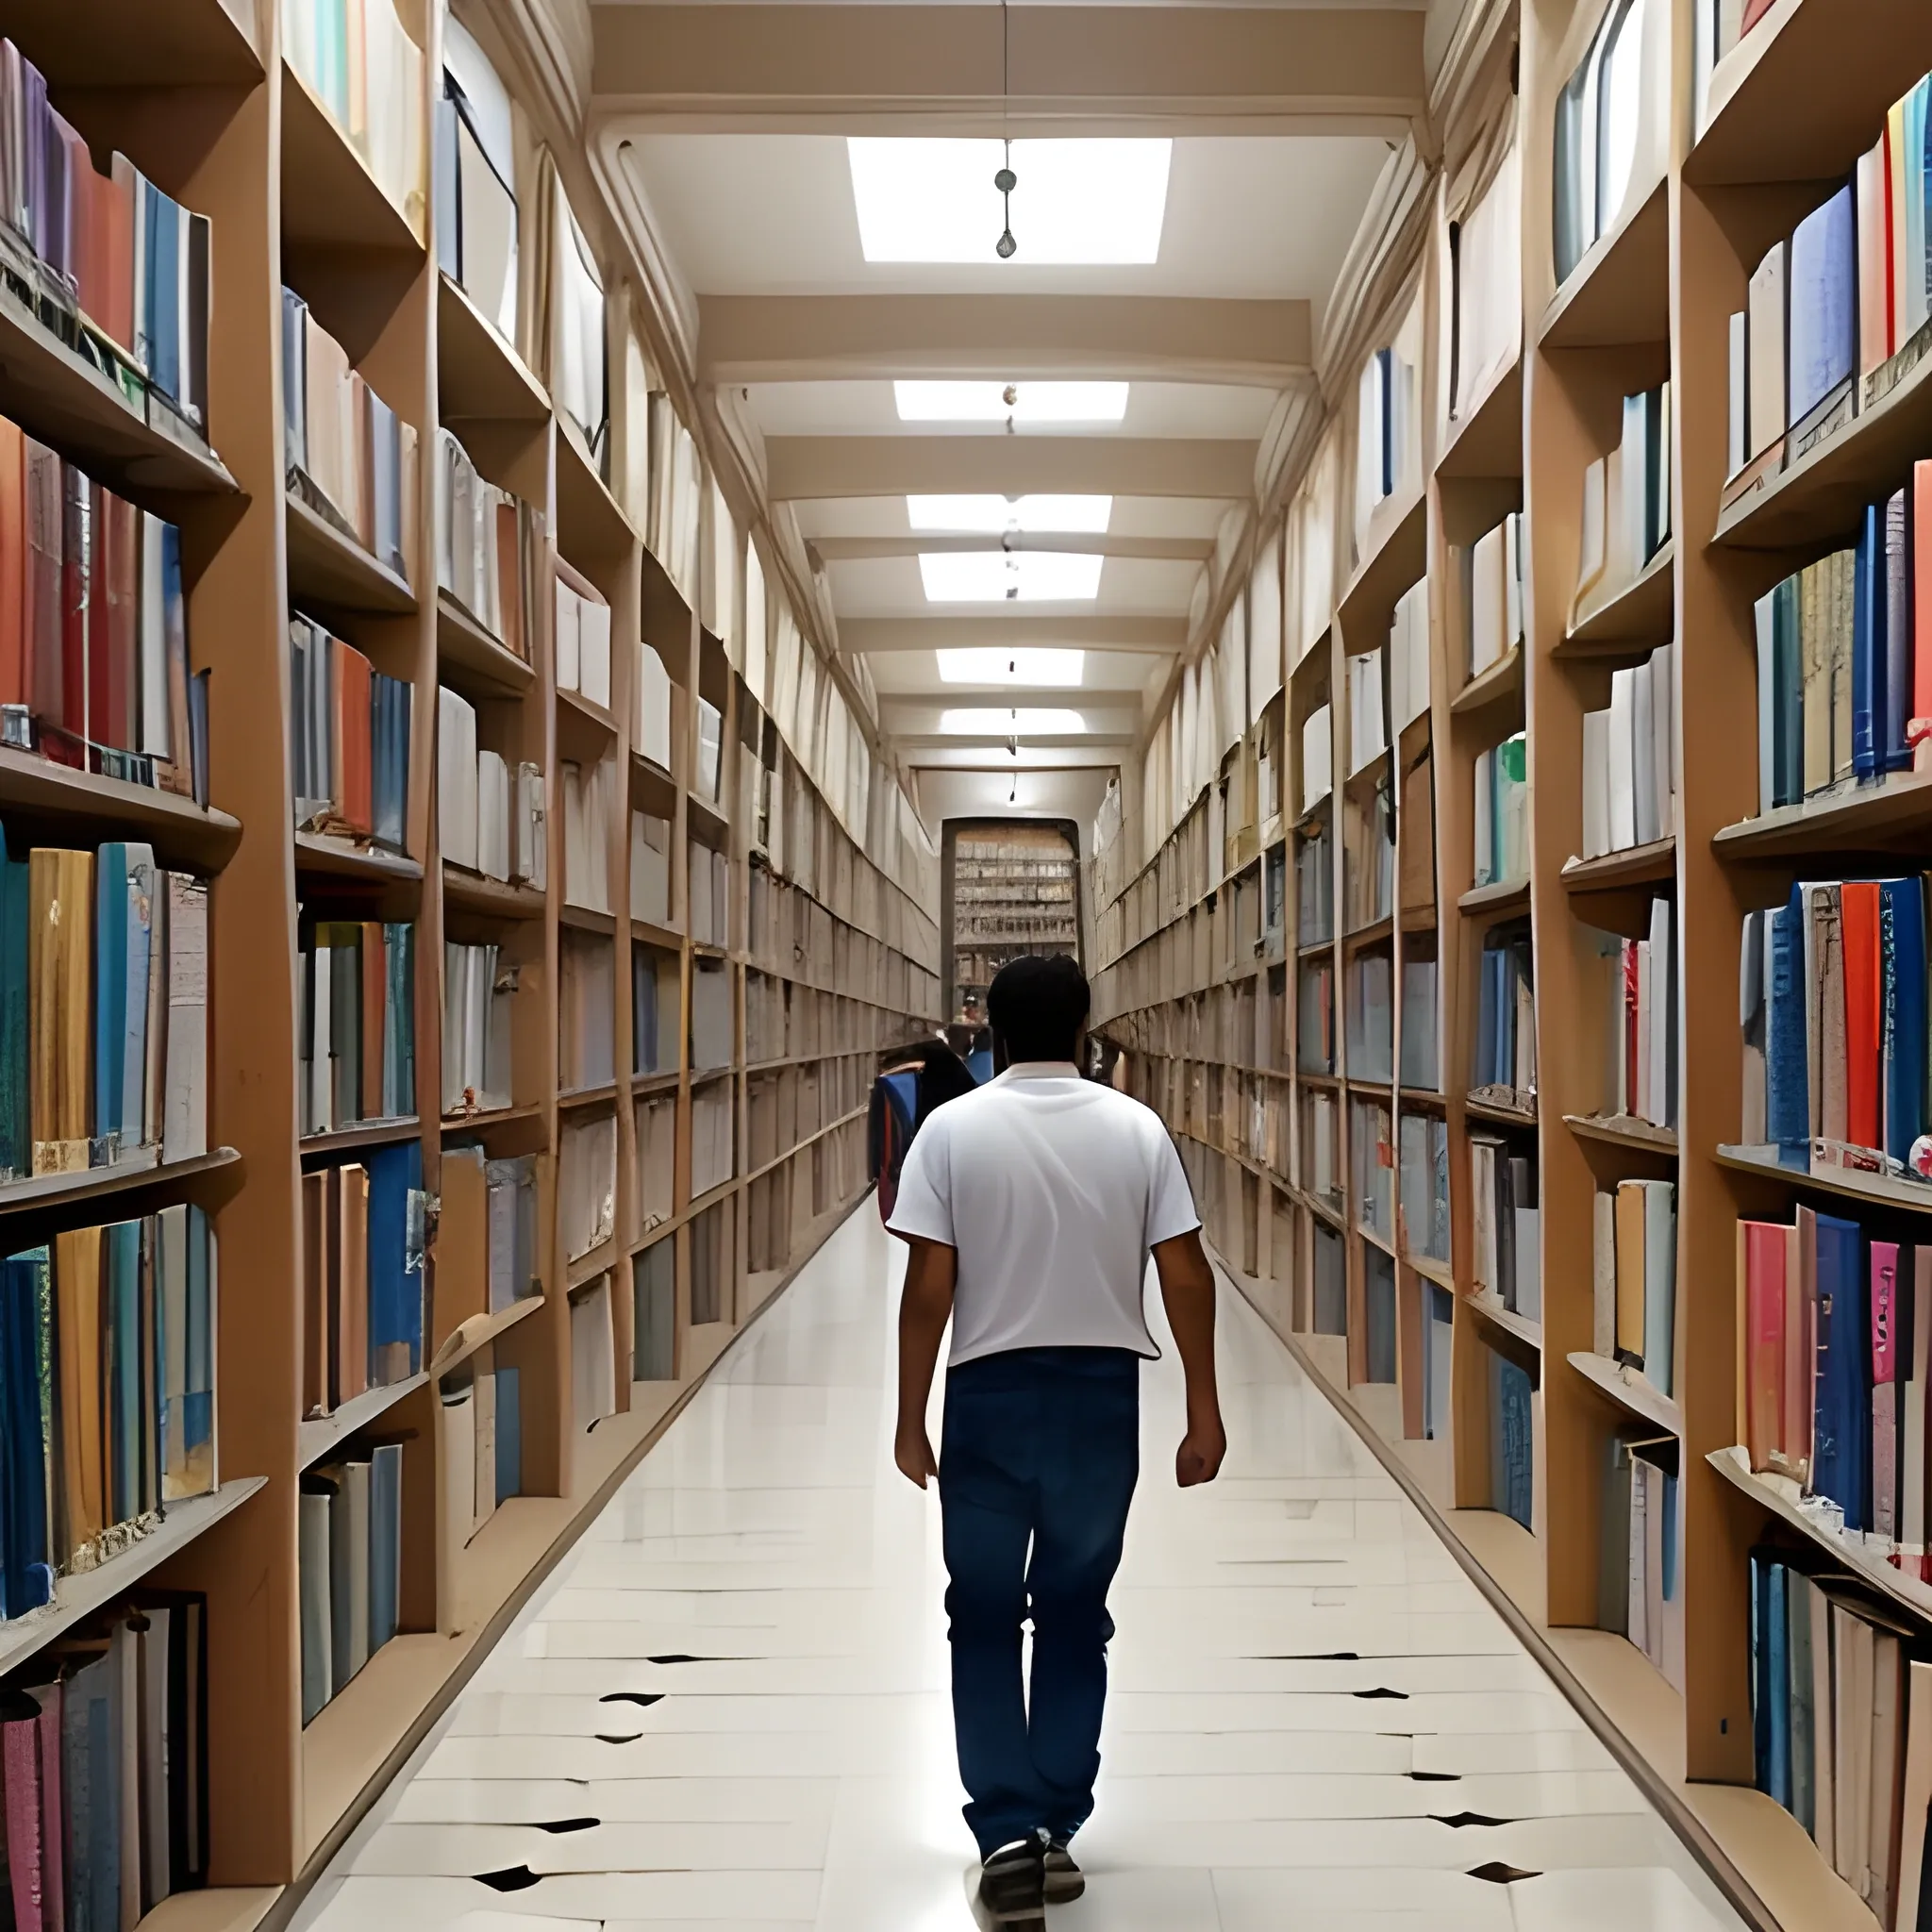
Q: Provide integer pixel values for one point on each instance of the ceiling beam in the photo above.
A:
(1078, 69)
(870, 635)
(1157, 549)
(816, 466)
(1005, 337)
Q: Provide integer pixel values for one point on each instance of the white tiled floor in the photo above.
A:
(1294, 1647)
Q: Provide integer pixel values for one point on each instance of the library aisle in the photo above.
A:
(729, 1710)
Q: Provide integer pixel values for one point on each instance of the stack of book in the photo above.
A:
(583, 637)
(1492, 593)
(656, 1145)
(1367, 716)
(349, 730)
(487, 545)
(1501, 812)
(480, 1448)
(109, 1383)
(712, 1141)
(1640, 1033)
(351, 459)
(103, 979)
(1504, 1068)
(1314, 874)
(1505, 1252)
(711, 897)
(93, 628)
(474, 169)
(650, 869)
(1626, 504)
(676, 497)
(363, 1235)
(1423, 1161)
(1611, 115)
(654, 1326)
(1486, 329)
(590, 815)
(587, 1011)
(654, 997)
(486, 1239)
(1635, 1280)
(1317, 759)
(1629, 759)
(357, 58)
(479, 1006)
(711, 1015)
(1833, 987)
(490, 819)
(349, 1557)
(132, 262)
(357, 1043)
(105, 1739)
(592, 1356)
(1842, 664)
(1640, 1570)
(587, 1183)
(1842, 1725)
(655, 714)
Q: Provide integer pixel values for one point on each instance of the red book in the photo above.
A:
(1886, 1310)
(1858, 928)
(1755, 10)
(1761, 1328)
(30, 1754)
(354, 799)
(45, 528)
(113, 202)
(60, 682)
(13, 565)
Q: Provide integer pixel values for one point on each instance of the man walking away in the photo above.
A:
(1031, 1206)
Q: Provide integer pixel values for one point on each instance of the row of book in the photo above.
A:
(1844, 656)
(582, 637)
(1604, 111)
(1641, 1070)
(675, 497)
(1421, 1036)
(1486, 265)
(490, 819)
(93, 628)
(357, 58)
(479, 1416)
(104, 1743)
(485, 1235)
(1314, 879)
(1368, 857)
(655, 722)
(1492, 593)
(1314, 1018)
(654, 1314)
(592, 1355)
(351, 459)
(103, 1008)
(1367, 716)
(580, 368)
(586, 1011)
(357, 989)
(650, 869)
(1634, 1279)
(713, 1137)
(1841, 1726)
(1318, 757)
(1370, 1018)
(1833, 1001)
(655, 1121)
(362, 1287)
(1422, 1156)
(655, 994)
(1629, 759)
(1504, 1067)
(711, 897)
(349, 739)
(713, 1257)
(349, 1559)
(1640, 1563)
(1388, 423)
(713, 1027)
(108, 1375)
(1501, 812)
(1506, 1229)
(133, 261)
(1513, 1437)
(474, 170)
(587, 1183)
(1626, 503)
(489, 548)
(590, 804)
(1372, 1162)
(479, 988)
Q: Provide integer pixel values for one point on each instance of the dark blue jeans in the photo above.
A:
(1038, 1462)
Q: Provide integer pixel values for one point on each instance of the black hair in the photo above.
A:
(1038, 1007)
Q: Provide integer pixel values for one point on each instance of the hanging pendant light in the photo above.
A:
(1006, 181)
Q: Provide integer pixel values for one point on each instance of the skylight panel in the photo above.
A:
(1032, 666)
(1024, 402)
(990, 721)
(1078, 202)
(1085, 516)
(1019, 577)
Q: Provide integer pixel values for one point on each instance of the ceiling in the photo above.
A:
(731, 121)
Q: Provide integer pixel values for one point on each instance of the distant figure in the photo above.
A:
(919, 1078)
(1031, 1206)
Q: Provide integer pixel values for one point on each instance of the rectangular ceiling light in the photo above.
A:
(1067, 516)
(1033, 402)
(991, 721)
(1028, 665)
(1010, 577)
(932, 199)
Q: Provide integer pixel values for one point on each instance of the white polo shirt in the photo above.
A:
(1052, 1189)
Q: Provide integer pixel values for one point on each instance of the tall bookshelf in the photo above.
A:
(1215, 1015)
(829, 922)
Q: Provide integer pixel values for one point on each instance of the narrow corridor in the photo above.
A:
(729, 1708)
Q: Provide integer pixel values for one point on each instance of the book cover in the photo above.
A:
(1840, 1463)
(1887, 1311)
(384, 1540)
(1858, 928)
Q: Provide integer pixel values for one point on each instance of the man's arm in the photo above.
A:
(931, 1271)
(1186, 1286)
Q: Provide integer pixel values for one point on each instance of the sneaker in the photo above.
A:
(1012, 1881)
(1064, 1879)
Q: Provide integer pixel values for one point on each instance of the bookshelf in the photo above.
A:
(825, 890)
(1290, 1131)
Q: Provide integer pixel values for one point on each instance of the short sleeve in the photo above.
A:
(1170, 1200)
(924, 1204)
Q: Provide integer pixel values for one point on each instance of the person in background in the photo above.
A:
(1031, 1206)
(915, 1080)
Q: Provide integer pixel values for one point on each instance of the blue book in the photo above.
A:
(1778, 1680)
(1901, 933)
(164, 291)
(198, 1346)
(384, 1540)
(1917, 174)
(1841, 1444)
(1510, 1421)
(139, 923)
(1787, 1069)
(111, 985)
(1823, 329)
(1760, 1670)
(25, 1380)
(510, 1433)
(395, 1286)
(1868, 645)
(1486, 1019)
(1787, 657)
(91, 1772)
(16, 1125)
(1895, 753)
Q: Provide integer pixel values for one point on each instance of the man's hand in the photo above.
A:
(1198, 1460)
(912, 1452)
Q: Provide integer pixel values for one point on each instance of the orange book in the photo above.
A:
(1859, 931)
(14, 614)
(114, 202)
(82, 1488)
(353, 790)
(1920, 729)
(1761, 1322)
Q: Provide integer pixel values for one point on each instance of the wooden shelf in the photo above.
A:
(583, 918)
(316, 852)
(101, 808)
(573, 1098)
(1632, 619)
(1895, 814)
(329, 198)
(575, 706)
(1628, 1389)
(1849, 1183)
(471, 661)
(317, 1437)
(1623, 1131)
(1620, 293)
(1398, 556)
(643, 1085)
(1495, 683)
(328, 569)
(589, 523)
(1431, 1269)
(668, 938)
(478, 375)
(470, 892)
(580, 1270)
(122, 1192)
(1654, 864)
(460, 1126)
(79, 1596)
(1488, 441)
(1503, 1116)
(1375, 932)
(1496, 902)
(319, 1150)
(108, 44)
(1508, 1320)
